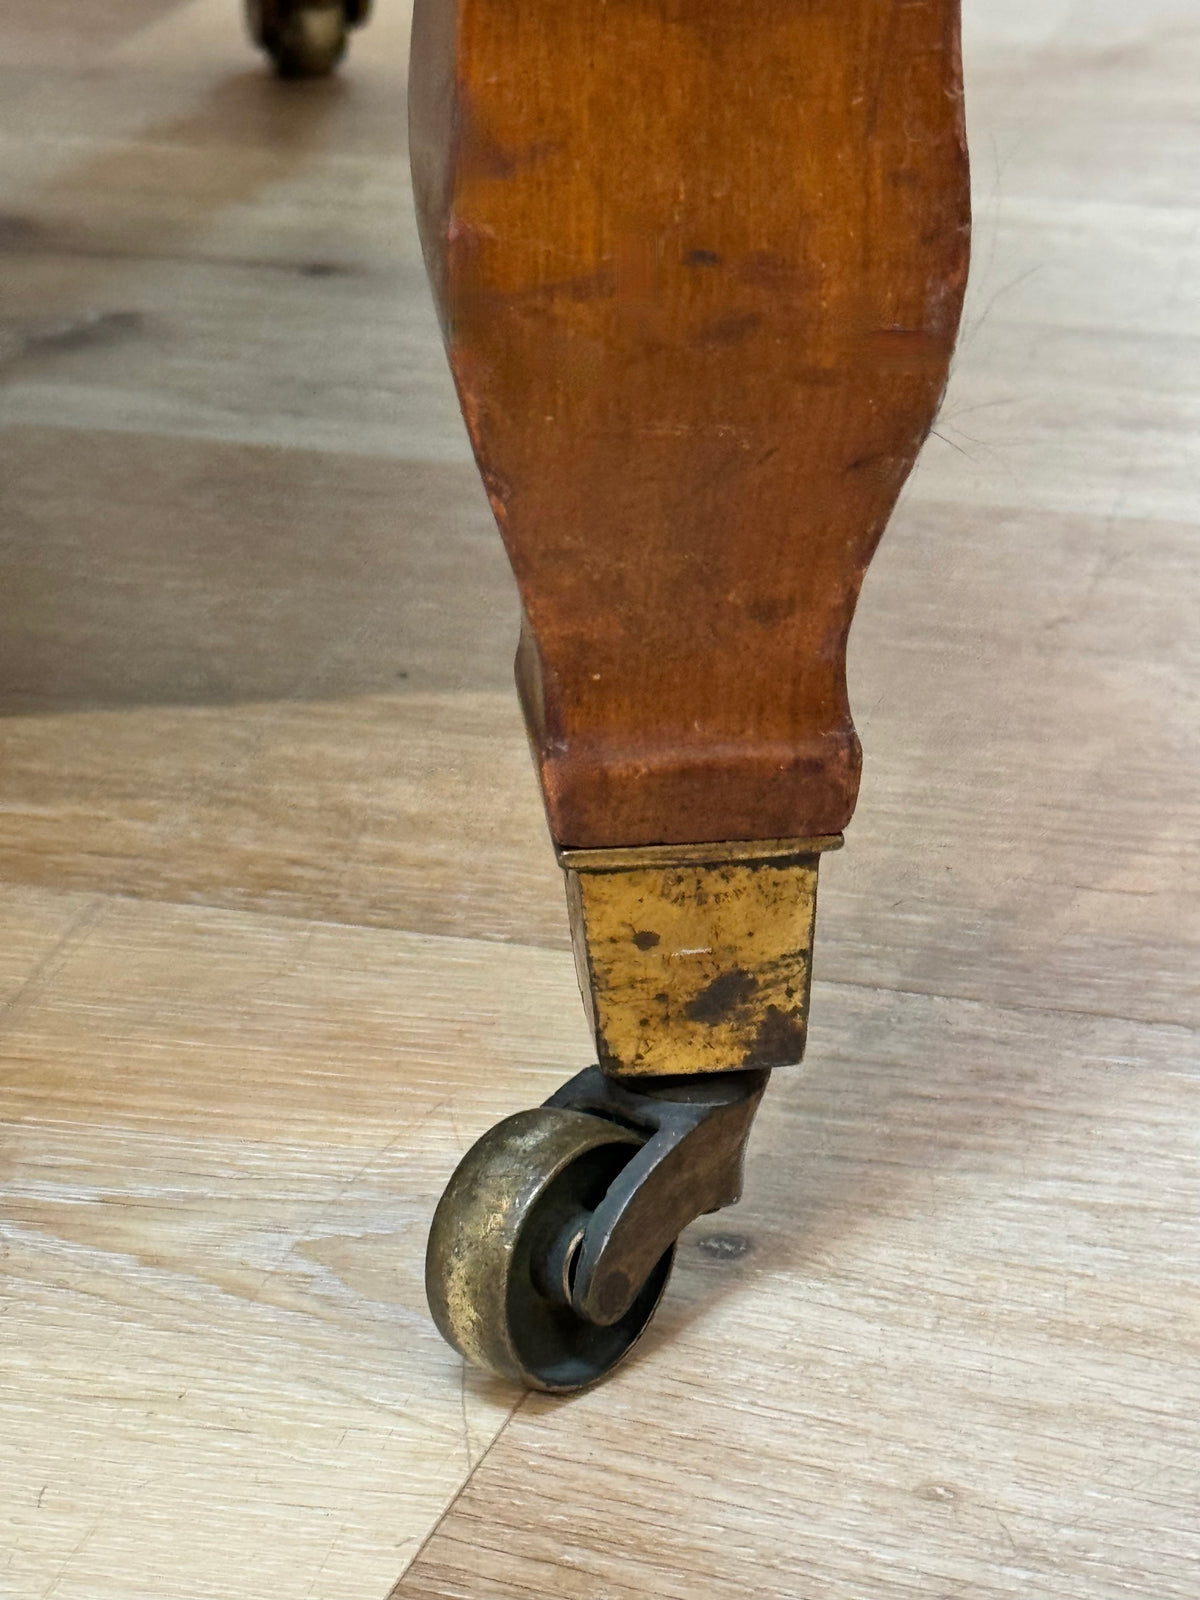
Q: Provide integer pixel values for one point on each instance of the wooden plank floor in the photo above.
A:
(280, 932)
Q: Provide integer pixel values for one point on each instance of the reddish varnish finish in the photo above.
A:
(700, 265)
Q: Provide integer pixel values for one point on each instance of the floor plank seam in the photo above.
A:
(85, 918)
(1016, 1007)
(394, 1592)
(1005, 1006)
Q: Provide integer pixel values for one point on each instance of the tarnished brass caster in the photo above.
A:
(304, 38)
(552, 1245)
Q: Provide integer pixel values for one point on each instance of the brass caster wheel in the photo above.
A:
(304, 38)
(553, 1242)
(505, 1244)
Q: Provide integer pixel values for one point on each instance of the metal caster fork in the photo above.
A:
(552, 1244)
(304, 38)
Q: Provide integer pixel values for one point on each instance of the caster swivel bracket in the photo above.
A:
(690, 1164)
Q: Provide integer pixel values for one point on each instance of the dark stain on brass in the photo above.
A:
(723, 997)
(779, 1041)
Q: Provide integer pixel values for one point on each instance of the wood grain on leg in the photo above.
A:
(700, 270)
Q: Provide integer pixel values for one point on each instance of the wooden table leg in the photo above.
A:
(700, 268)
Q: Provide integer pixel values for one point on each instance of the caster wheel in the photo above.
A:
(304, 38)
(502, 1249)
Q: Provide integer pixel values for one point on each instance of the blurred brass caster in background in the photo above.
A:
(304, 38)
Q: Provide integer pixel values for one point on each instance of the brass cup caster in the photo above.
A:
(304, 38)
(552, 1244)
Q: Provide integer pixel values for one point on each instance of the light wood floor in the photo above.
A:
(280, 932)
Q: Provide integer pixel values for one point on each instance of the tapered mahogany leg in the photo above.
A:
(699, 267)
